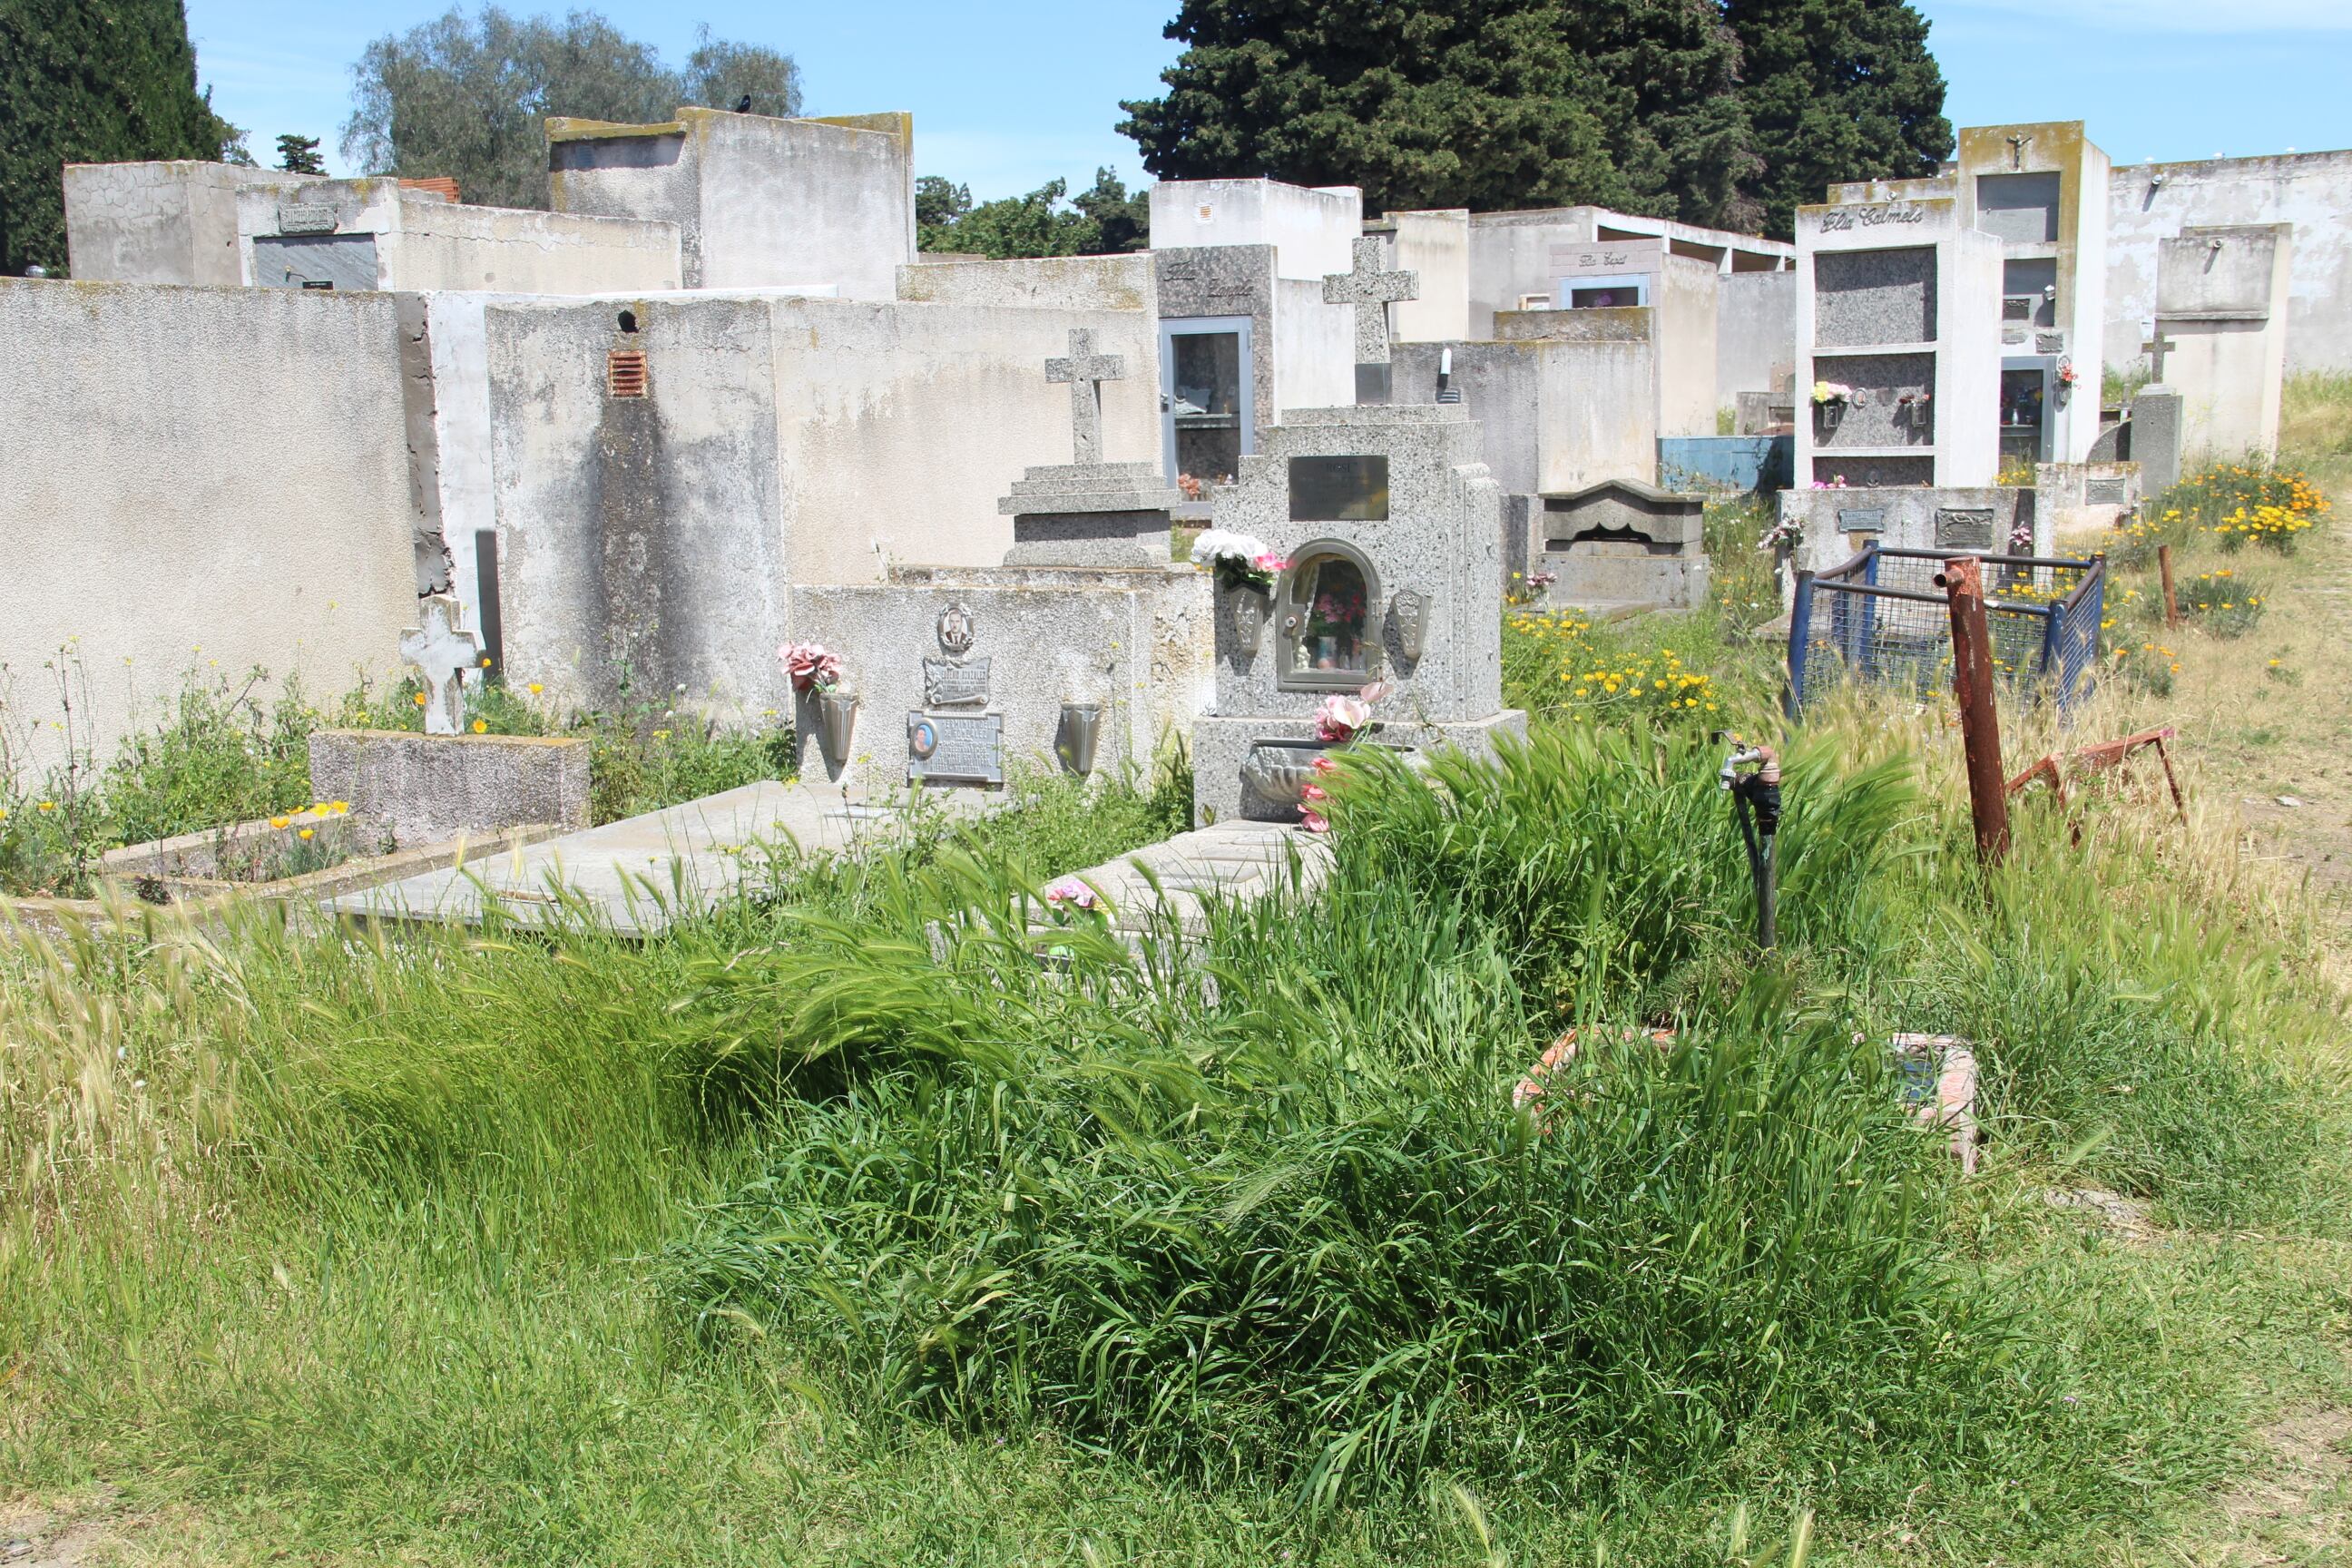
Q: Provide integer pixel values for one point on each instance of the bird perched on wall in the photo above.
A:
(743, 104)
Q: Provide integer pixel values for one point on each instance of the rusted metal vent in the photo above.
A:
(624, 372)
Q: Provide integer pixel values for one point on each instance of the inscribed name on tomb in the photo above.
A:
(1963, 528)
(1862, 519)
(1339, 489)
(954, 683)
(2103, 492)
(955, 748)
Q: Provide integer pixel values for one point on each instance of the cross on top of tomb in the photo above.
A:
(1372, 292)
(2017, 145)
(1086, 371)
(2156, 348)
(442, 654)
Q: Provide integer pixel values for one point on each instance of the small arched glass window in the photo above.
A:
(1329, 618)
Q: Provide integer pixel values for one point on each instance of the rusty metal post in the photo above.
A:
(2171, 599)
(1962, 580)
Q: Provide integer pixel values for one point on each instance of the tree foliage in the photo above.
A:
(89, 82)
(1660, 107)
(1101, 220)
(464, 96)
(299, 154)
(1838, 90)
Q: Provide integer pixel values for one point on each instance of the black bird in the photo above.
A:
(743, 104)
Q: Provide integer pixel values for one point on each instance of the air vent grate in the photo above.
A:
(624, 372)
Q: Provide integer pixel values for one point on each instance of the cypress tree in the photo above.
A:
(89, 82)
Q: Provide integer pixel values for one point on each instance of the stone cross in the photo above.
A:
(442, 654)
(2156, 348)
(1372, 292)
(1086, 371)
(2017, 145)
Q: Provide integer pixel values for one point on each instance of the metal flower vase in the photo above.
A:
(837, 717)
(1081, 729)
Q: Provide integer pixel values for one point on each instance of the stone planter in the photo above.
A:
(836, 719)
(1081, 729)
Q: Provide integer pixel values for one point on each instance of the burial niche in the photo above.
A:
(1325, 603)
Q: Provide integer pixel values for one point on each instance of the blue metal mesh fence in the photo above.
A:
(1880, 618)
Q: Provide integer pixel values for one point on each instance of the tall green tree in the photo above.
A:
(299, 154)
(1101, 220)
(1487, 104)
(1837, 90)
(464, 96)
(89, 82)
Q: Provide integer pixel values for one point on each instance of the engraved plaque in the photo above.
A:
(1963, 528)
(300, 218)
(1862, 519)
(1339, 489)
(2013, 334)
(2017, 308)
(955, 748)
(955, 683)
(2103, 492)
(2050, 342)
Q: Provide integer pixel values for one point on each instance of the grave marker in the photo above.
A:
(1086, 371)
(441, 652)
(1372, 292)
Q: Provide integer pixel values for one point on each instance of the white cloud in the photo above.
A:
(2242, 18)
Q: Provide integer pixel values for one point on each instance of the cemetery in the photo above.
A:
(1350, 886)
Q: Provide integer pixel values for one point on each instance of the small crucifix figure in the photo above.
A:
(1086, 371)
(442, 654)
(2156, 348)
(2017, 145)
(1372, 292)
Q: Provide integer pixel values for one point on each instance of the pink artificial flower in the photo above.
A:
(1375, 691)
(1313, 821)
(1071, 893)
(1323, 765)
(809, 666)
(1269, 562)
(1340, 717)
(1313, 792)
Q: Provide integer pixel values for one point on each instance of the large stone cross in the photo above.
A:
(442, 653)
(1086, 371)
(2156, 348)
(1372, 292)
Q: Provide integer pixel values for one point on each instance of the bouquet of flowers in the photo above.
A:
(812, 669)
(2067, 374)
(1783, 535)
(1067, 897)
(1240, 560)
(1828, 393)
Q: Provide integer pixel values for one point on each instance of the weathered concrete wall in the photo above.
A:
(763, 203)
(1755, 332)
(1310, 230)
(208, 477)
(1511, 253)
(1314, 348)
(2313, 191)
(162, 222)
(2222, 296)
(783, 440)
(1685, 308)
(1045, 283)
(1555, 413)
(1435, 248)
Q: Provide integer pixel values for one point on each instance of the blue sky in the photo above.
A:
(1007, 96)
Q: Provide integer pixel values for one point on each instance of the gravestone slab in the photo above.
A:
(955, 748)
(955, 683)
(1965, 528)
(1869, 297)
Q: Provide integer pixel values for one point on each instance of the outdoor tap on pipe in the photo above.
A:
(1752, 775)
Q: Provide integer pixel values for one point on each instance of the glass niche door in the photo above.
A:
(2025, 410)
(1208, 407)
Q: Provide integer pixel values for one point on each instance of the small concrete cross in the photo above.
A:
(2156, 348)
(442, 653)
(1372, 292)
(1086, 371)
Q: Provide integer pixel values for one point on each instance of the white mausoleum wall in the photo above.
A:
(1310, 230)
(1314, 348)
(1755, 332)
(173, 222)
(1052, 282)
(2313, 191)
(205, 468)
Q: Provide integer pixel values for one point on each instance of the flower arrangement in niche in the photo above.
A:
(812, 670)
(1240, 560)
(2067, 374)
(1832, 394)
